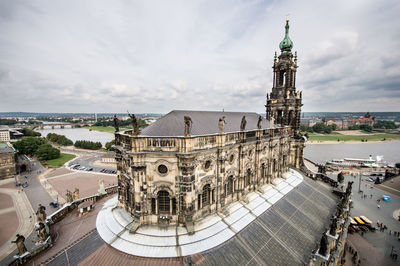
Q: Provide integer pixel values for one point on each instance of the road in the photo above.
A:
(368, 207)
(87, 159)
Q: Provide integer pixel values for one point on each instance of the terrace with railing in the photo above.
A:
(187, 144)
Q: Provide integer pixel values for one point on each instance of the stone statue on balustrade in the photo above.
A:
(221, 124)
(42, 232)
(19, 241)
(259, 123)
(69, 197)
(243, 124)
(323, 245)
(101, 190)
(272, 122)
(340, 178)
(188, 125)
(339, 210)
(76, 194)
(116, 123)
(41, 213)
(332, 230)
(349, 187)
(135, 125)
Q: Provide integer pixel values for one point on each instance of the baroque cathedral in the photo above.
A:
(189, 164)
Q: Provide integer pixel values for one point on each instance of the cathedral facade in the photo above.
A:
(189, 164)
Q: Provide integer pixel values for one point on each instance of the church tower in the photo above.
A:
(284, 102)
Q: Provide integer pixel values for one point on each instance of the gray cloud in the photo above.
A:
(155, 56)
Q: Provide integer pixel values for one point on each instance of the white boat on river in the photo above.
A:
(354, 162)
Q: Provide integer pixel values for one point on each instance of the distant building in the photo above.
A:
(367, 119)
(109, 157)
(5, 134)
(8, 161)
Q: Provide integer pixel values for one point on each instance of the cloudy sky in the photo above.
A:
(156, 56)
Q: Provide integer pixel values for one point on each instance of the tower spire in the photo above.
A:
(286, 44)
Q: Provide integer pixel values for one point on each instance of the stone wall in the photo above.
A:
(180, 180)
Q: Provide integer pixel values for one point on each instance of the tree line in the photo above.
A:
(86, 144)
(104, 122)
(59, 139)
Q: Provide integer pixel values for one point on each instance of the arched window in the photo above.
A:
(163, 202)
(230, 185)
(205, 196)
(248, 177)
(263, 170)
(281, 78)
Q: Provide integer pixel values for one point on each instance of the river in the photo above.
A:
(75, 134)
(316, 152)
(323, 152)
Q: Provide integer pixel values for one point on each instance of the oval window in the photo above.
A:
(231, 158)
(207, 165)
(162, 169)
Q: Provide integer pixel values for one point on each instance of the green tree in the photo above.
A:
(29, 145)
(59, 139)
(30, 132)
(397, 165)
(109, 145)
(319, 127)
(8, 122)
(333, 127)
(385, 124)
(47, 152)
(366, 128)
(86, 144)
(327, 130)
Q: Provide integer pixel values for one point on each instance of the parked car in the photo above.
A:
(89, 169)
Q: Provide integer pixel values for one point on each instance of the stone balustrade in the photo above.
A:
(139, 143)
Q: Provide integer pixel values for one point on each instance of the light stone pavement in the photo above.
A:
(382, 241)
(24, 211)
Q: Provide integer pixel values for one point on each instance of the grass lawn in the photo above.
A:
(65, 157)
(105, 129)
(375, 137)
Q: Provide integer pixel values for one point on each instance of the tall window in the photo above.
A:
(205, 196)
(230, 185)
(263, 170)
(248, 177)
(163, 202)
(281, 78)
(153, 205)
(174, 206)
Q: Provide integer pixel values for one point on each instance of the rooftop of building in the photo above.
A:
(285, 234)
(204, 123)
(4, 148)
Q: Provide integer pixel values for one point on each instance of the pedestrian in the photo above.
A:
(379, 206)
(390, 232)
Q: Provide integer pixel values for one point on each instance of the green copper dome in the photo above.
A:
(286, 44)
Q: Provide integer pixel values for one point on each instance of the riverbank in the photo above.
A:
(332, 139)
(105, 129)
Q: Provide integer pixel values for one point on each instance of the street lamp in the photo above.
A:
(359, 182)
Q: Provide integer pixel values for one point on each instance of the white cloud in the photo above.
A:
(155, 56)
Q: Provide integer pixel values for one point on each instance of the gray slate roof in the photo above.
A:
(4, 148)
(204, 123)
(283, 235)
